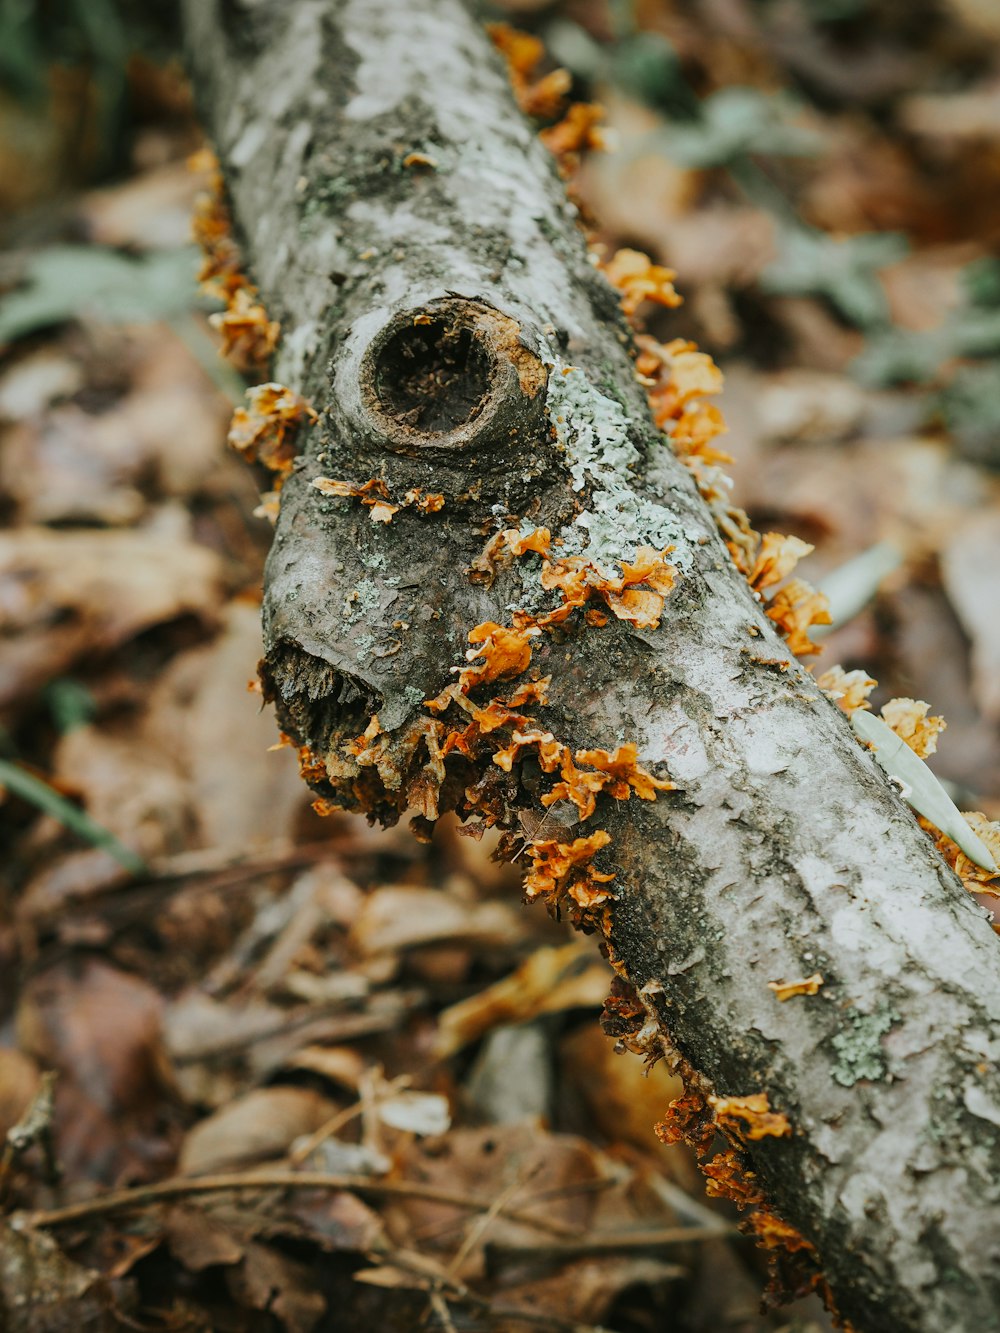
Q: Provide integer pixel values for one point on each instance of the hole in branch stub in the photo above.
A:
(433, 376)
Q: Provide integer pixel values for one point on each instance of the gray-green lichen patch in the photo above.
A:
(859, 1046)
(363, 601)
(593, 431)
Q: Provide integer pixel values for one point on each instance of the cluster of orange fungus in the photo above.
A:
(264, 431)
(248, 336)
(751, 1117)
(579, 130)
(636, 595)
(618, 775)
(638, 280)
(561, 870)
(502, 653)
(849, 690)
(544, 96)
(541, 96)
(374, 494)
(795, 608)
(677, 378)
(777, 556)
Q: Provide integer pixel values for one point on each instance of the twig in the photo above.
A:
(475, 1232)
(338, 1121)
(178, 1187)
(598, 1243)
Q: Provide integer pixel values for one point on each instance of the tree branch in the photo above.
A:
(409, 232)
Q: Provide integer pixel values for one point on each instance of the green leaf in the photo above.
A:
(851, 586)
(845, 271)
(735, 122)
(47, 799)
(65, 282)
(920, 788)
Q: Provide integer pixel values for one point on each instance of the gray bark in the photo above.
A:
(784, 851)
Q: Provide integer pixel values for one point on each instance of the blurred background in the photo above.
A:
(222, 979)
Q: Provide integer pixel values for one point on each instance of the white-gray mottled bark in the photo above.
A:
(784, 851)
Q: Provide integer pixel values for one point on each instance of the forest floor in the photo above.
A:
(396, 1067)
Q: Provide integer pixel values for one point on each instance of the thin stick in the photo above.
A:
(178, 1187)
(598, 1243)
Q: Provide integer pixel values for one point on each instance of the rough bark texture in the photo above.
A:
(423, 306)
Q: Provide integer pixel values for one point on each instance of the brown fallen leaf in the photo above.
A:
(41, 1291)
(268, 1280)
(101, 1028)
(262, 1124)
(19, 1081)
(549, 981)
(70, 594)
(398, 917)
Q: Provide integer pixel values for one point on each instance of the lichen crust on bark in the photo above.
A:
(442, 315)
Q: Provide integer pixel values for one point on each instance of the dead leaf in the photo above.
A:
(549, 981)
(101, 1028)
(399, 917)
(41, 1291)
(19, 1081)
(270, 1281)
(198, 1239)
(69, 594)
(259, 1126)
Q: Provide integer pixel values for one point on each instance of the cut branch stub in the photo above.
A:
(442, 381)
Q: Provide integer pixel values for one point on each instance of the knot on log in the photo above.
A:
(449, 376)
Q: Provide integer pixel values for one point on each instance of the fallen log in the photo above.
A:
(473, 377)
